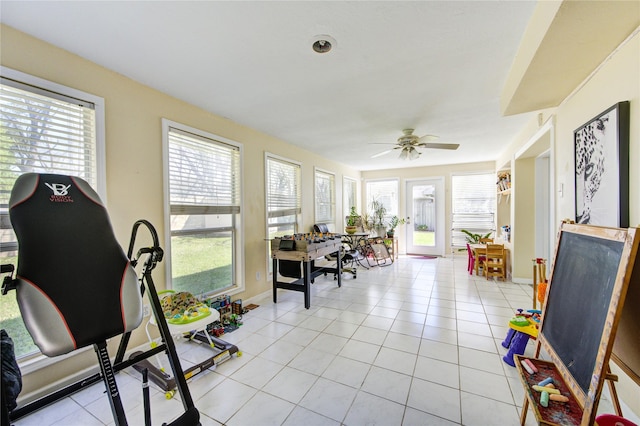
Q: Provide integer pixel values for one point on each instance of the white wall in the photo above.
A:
(617, 79)
(133, 114)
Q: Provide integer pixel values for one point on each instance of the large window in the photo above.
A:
(325, 198)
(284, 196)
(349, 196)
(204, 193)
(384, 192)
(45, 128)
(473, 205)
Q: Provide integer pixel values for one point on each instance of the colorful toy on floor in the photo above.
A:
(521, 327)
(182, 307)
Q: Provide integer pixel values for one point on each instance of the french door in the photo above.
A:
(425, 209)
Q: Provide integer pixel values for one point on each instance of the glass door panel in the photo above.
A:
(425, 206)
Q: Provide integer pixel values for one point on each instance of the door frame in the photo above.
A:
(526, 239)
(439, 248)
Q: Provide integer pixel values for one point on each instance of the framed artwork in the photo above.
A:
(602, 168)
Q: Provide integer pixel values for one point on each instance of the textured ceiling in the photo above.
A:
(436, 66)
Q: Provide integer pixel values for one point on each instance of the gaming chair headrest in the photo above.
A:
(321, 227)
(75, 286)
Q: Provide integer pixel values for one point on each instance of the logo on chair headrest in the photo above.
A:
(60, 193)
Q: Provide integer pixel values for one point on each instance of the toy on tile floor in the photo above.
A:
(189, 317)
(521, 327)
(215, 329)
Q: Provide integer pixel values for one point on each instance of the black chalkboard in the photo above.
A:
(583, 280)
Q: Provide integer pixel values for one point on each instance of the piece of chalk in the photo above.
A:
(526, 367)
(544, 399)
(543, 389)
(550, 386)
(559, 398)
(530, 364)
(546, 381)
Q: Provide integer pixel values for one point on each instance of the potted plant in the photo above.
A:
(367, 222)
(474, 238)
(378, 213)
(393, 224)
(352, 221)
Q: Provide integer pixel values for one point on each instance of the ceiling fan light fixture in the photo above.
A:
(404, 153)
(413, 154)
(409, 153)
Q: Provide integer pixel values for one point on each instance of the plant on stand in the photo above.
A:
(378, 213)
(367, 222)
(394, 222)
(352, 221)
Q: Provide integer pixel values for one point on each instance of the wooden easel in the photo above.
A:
(583, 305)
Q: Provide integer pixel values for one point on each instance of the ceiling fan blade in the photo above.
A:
(380, 154)
(426, 138)
(451, 146)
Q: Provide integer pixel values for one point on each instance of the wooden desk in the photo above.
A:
(480, 248)
(306, 253)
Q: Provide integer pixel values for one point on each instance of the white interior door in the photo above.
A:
(425, 210)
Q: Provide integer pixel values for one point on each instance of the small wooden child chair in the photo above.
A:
(495, 263)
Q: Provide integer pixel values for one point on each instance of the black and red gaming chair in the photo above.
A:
(75, 286)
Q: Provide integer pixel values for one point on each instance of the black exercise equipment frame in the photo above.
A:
(152, 255)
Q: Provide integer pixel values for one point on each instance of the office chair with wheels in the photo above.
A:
(76, 287)
(346, 253)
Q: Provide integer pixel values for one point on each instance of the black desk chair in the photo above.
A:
(321, 228)
(347, 255)
(76, 287)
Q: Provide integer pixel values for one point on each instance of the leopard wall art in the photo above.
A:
(589, 164)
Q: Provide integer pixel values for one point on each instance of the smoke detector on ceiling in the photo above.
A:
(323, 43)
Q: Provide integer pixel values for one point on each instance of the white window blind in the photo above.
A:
(42, 132)
(204, 175)
(386, 192)
(473, 205)
(204, 195)
(325, 197)
(44, 128)
(284, 194)
(45, 132)
(349, 193)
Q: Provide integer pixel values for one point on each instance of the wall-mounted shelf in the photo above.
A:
(504, 181)
(504, 184)
(506, 192)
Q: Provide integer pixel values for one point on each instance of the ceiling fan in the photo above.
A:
(408, 144)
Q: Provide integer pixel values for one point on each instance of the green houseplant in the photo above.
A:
(367, 222)
(474, 238)
(352, 221)
(378, 212)
(394, 222)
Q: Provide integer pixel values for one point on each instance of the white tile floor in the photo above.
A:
(414, 343)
